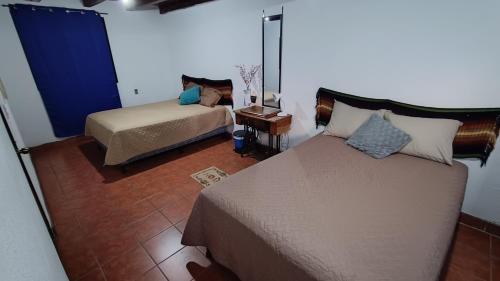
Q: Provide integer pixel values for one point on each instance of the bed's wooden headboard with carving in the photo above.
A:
(475, 139)
(224, 86)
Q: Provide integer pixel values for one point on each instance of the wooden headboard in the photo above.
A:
(224, 86)
(475, 139)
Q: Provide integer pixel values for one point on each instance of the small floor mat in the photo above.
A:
(209, 176)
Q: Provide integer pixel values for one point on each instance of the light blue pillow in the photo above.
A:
(378, 138)
(190, 96)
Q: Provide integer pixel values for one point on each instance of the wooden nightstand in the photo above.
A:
(275, 126)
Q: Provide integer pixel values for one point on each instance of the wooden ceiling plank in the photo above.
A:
(133, 4)
(172, 5)
(91, 3)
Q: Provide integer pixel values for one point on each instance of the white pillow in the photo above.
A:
(431, 138)
(346, 119)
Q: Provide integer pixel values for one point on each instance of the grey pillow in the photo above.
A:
(378, 138)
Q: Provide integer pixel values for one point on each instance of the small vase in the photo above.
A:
(253, 99)
(247, 99)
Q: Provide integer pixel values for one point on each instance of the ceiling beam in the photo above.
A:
(91, 3)
(138, 4)
(172, 5)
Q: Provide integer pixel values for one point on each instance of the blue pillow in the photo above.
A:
(378, 138)
(190, 96)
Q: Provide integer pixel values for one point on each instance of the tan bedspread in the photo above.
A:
(132, 131)
(324, 211)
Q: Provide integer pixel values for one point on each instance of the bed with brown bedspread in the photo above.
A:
(135, 132)
(325, 211)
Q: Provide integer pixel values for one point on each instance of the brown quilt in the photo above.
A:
(325, 211)
(133, 131)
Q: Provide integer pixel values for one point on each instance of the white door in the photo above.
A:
(26, 250)
(26, 158)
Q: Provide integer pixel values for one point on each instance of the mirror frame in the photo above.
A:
(264, 19)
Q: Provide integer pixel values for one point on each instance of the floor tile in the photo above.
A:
(122, 193)
(164, 244)
(154, 274)
(455, 273)
(48, 179)
(162, 199)
(69, 233)
(175, 267)
(473, 238)
(78, 259)
(112, 223)
(192, 197)
(93, 202)
(190, 187)
(92, 211)
(151, 226)
(470, 254)
(178, 211)
(130, 266)
(181, 225)
(149, 185)
(94, 275)
(108, 246)
(61, 213)
(137, 210)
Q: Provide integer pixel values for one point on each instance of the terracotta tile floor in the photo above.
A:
(115, 226)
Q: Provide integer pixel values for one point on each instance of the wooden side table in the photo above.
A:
(274, 126)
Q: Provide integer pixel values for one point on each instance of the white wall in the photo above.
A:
(140, 52)
(5, 108)
(27, 253)
(442, 54)
(436, 53)
(208, 40)
(431, 53)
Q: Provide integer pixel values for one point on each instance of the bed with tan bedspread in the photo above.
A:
(134, 131)
(325, 211)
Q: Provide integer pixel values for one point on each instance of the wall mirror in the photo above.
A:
(272, 27)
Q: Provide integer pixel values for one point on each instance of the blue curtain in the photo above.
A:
(70, 59)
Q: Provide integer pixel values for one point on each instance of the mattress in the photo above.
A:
(325, 211)
(133, 131)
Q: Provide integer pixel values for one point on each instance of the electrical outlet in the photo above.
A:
(136, 91)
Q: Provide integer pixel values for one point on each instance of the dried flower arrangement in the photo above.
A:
(257, 82)
(248, 73)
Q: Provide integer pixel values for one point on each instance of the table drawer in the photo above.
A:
(258, 124)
